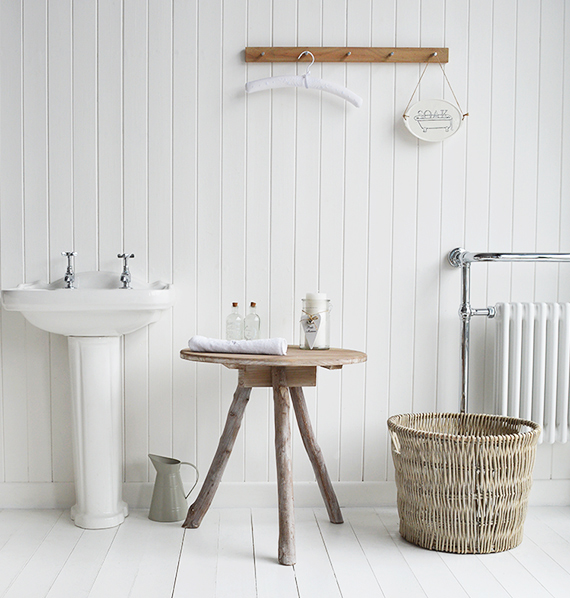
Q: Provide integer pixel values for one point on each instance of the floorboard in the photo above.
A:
(236, 564)
(543, 568)
(556, 518)
(44, 566)
(273, 580)
(78, 574)
(198, 564)
(473, 576)
(314, 571)
(428, 567)
(134, 548)
(513, 576)
(350, 564)
(27, 531)
(234, 554)
(390, 568)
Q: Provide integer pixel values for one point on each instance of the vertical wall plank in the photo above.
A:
(257, 422)
(563, 278)
(60, 133)
(525, 183)
(233, 217)
(560, 452)
(184, 200)
(428, 225)
(110, 129)
(36, 231)
(258, 441)
(160, 218)
(501, 171)
(135, 228)
(135, 138)
(355, 256)
(334, 116)
(208, 220)
(404, 219)
(477, 173)
(284, 302)
(453, 224)
(14, 411)
(35, 139)
(60, 195)
(525, 146)
(379, 272)
(85, 187)
(14, 416)
(307, 195)
(549, 144)
(39, 404)
(11, 181)
(549, 168)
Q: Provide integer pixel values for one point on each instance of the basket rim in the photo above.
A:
(534, 428)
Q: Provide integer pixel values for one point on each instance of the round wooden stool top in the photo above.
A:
(296, 357)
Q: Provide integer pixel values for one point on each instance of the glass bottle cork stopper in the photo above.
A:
(234, 304)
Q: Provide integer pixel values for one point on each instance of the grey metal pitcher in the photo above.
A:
(168, 499)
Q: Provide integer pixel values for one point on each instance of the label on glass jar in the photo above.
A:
(310, 326)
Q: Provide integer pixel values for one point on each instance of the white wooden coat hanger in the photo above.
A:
(305, 81)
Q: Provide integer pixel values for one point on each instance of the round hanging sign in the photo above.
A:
(433, 120)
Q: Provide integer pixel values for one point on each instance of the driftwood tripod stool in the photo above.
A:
(287, 375)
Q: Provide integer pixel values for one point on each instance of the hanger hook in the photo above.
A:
(311, 55)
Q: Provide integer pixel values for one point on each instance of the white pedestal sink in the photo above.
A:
(94, 316)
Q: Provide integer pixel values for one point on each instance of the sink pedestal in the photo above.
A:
(96, 398)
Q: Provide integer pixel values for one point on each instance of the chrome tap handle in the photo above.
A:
(69, 277)
(126, 274)
(69, 255)
(125, 257)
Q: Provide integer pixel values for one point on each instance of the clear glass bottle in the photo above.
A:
(251, 324)
(234, 325)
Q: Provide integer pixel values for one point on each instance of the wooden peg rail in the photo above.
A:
(269, 54)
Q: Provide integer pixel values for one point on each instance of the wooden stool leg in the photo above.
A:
(315, 455)
(202, 503)
(286, 554)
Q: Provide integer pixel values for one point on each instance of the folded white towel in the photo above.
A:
(264, 346)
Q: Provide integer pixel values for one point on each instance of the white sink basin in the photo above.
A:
(93, 316)
(98, 306)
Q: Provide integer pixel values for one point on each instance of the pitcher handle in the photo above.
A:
(197, 476)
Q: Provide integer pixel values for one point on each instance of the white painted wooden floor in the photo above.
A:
(233, 554)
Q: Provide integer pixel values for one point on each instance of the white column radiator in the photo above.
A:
(532, 365)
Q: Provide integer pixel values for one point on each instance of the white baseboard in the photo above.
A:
(550, 493)
(45, 495)
(37, 495)
(61, 495)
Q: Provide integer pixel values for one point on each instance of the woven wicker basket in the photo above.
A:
(463, 480)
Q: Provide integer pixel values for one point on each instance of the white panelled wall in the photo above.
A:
(124, 126)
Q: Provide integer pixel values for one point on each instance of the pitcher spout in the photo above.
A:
(163, 463)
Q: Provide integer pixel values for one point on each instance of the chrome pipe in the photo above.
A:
(459, 256)
(466, 312)
(465, 315)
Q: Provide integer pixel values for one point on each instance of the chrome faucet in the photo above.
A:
(126, 274)
(69, 277)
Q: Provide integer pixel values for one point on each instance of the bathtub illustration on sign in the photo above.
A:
(433, 120)
(439, 119)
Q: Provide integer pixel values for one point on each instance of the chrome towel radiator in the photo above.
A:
(459, 258)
